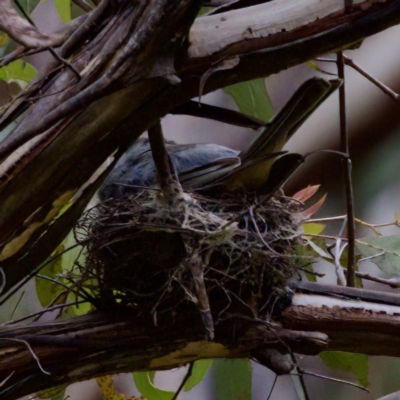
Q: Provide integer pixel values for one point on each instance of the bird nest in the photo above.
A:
(232, 254)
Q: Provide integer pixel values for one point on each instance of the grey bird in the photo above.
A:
(262, 167)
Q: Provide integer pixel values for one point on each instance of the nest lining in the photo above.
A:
(153, 256)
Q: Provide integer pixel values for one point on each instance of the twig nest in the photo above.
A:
(232, 254)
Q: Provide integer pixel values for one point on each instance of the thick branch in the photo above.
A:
(96, 344)
(28, 35)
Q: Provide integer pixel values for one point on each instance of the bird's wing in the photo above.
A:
(203, 176)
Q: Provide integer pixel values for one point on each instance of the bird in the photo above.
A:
(263, 167)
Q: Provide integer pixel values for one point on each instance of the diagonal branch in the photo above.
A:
(28, 35)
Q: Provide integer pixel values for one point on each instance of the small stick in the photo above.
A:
(328, 378)
(385, 89)
(185, 379)
(394, 283)
(344, 148)
(165, 170)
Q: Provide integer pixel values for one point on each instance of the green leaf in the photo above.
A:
(252, 98)
(18, 70)
(55, 393)
(199, 371)
(45, 289)
(3, 39)
(232, 379)
(29, 5)
(64, 10)
(356, 363)
(147, 389)
(387, 249)
(312, 228)
(204, 10)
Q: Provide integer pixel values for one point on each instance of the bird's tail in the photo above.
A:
(282, 127)
(257, 160)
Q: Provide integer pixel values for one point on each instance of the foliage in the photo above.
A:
(252, 99)
(233, 379)
(18, 70)
(356, 363)
(384, 251)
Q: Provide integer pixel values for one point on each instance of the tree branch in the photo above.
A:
(27, 34)
(98, 344)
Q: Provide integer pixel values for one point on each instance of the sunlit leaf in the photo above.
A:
(18, 70)
(199, 371)
(29, 5)
(79, 309)
(64, 10)
(106, 386)
(252, 98)
(55, 393)
(384, 250)
(76, 11)
(319, 69)
(232, 379)
(312, 228)
(204, 10)
(356, 363)
(3, 39)
(147, 389)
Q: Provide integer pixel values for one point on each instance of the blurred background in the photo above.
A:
(374, 128)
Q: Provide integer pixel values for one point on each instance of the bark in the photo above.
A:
(130, 75)
(321, 318)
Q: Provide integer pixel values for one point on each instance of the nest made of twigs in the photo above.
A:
(151, 256)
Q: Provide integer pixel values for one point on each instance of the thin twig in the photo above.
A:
(328, 219)
(300, 375)
(372, 257)
(338, 254)
(17, 304)
(185, 379)
(2, 383)
(358, 221)
(46, 310)
(332, 379)
(394, 283)
(272, 387)
(35, 271)
(385, 89)
(51, 50)
(325, 237)
(30, 350)
(344, 147)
